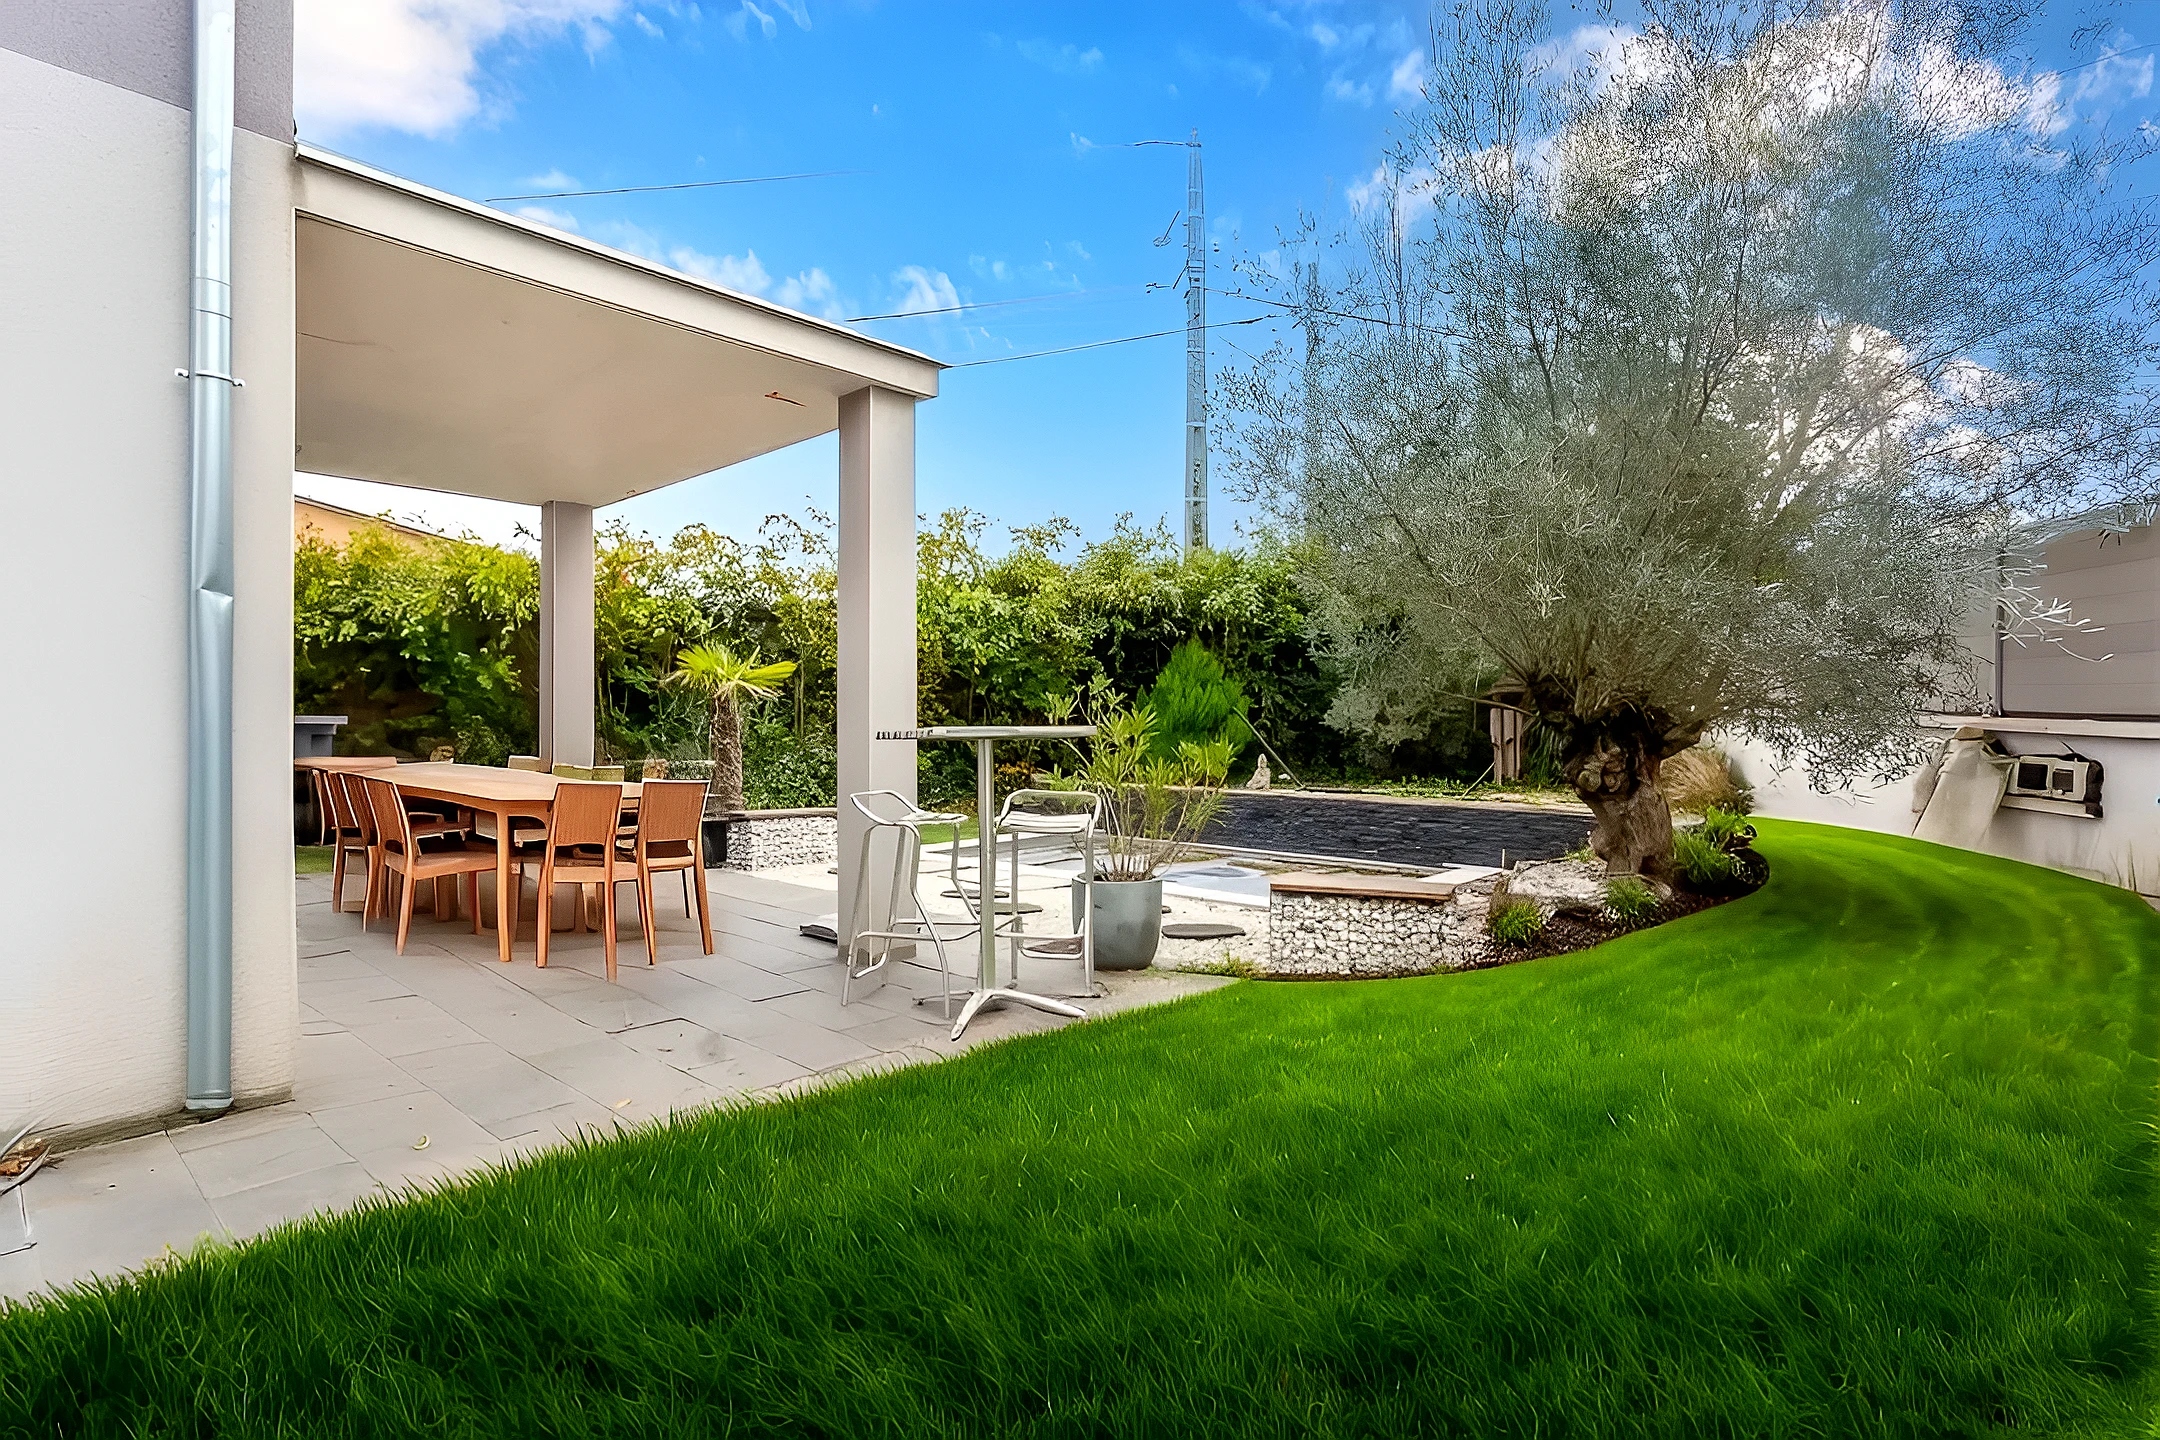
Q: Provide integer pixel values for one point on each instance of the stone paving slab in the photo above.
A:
(421, 1068)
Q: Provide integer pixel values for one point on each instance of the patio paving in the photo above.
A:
(416, 1068)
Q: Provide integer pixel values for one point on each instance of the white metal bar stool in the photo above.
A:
(1071, 815)
(904, 821)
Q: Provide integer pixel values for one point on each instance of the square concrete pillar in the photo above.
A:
(566, 633)
(877, 610)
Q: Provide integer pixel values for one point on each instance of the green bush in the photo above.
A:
(1704, 862)
(781, 771)
(1629, 900)
(1514, 922)
(1195, 701)
(1726, 829)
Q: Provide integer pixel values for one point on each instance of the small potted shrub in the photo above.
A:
(1153, 808)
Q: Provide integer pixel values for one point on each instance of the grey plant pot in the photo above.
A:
(1128, 922)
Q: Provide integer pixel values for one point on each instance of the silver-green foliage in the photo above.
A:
(1716, 381)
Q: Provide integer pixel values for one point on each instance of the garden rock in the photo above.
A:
(1558, 887)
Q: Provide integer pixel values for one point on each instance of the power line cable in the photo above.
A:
(991, 304)
(1100, 344)
(684, 185)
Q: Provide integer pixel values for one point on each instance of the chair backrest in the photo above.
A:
(387, 808)
(528, 762)
(585, 813)
(1076, 807)
(349, 805)
(668, 816)
(887, 811)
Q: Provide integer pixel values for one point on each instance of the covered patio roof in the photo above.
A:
(448, 346)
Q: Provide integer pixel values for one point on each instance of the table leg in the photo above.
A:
(505, 889)
(986, 863)
(987, 991)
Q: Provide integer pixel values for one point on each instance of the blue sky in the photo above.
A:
(982, 140)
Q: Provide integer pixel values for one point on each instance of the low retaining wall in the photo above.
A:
(1364, 926)
(770, 839)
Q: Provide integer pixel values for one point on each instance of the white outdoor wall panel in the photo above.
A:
(93, 306)
(94, 475)
(2122, 847)
(2112, 582)
(265, 981)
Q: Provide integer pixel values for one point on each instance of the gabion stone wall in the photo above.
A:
(1357, 936)
(769, 839)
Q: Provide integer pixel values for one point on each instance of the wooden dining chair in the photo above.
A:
(579, 849)
(349, 834)
(669, 836)
(399, 853)
(368, 840)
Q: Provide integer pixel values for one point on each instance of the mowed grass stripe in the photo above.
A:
(1869, 1152)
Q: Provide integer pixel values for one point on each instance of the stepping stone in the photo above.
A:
(1202, 930)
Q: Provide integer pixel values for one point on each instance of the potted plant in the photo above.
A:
(1154, 806)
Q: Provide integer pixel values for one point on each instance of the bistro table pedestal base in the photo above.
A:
(979, 1000)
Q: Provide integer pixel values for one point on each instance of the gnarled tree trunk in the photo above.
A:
(727, 763)
(1617, 778)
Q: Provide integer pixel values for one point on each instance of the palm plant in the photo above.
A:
(725, 680)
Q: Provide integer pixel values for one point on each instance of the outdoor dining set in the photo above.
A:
(399, 826)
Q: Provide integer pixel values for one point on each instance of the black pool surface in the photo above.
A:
(1404, 832)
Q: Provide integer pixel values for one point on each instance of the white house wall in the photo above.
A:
(2122, 847)
(93, 302)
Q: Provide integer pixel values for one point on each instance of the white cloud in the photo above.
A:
(411, 64)
(550, 180)
(1075, 247)
(921, 288)
(1354, 92)
(796, 10)
(1407, 80)
(1066, 59)
(545, 216)
(738, 24)
(1324, 35)
(988, 269)
(812, 292)
(744, 272)
(646, 25)
(1081, 144)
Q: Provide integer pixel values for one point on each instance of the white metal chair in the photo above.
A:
(903, 820)
(1071, 815)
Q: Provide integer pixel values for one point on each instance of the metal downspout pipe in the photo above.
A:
(210, 572)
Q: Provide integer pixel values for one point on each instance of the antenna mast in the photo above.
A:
(1196, 446)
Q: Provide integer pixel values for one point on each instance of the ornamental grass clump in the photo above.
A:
(1702, 862)
(1629, 901)
(1514, 922)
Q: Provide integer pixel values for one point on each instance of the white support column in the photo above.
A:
(877, 610)
(566, 633)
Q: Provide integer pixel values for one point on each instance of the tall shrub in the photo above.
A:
(1195, 701)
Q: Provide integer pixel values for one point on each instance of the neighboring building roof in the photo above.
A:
(334, 524)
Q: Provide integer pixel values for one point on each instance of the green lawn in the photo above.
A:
(1870, 1152)
(313, 859)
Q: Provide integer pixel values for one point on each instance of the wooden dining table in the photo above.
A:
(502, 794)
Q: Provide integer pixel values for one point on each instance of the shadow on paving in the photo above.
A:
(1398, 831)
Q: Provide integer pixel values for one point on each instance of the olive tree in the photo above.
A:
(1717, 380)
